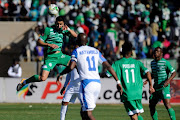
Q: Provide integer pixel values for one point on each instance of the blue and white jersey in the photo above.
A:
(74, 77)
(87, 59)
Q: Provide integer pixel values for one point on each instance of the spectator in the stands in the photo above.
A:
(15, 70)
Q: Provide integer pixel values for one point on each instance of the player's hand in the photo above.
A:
(62, 90)
(59, 78)
(166, 83)
(54, 46)
(144, 83)
(151, 90)
(120, 89)
(66, 27)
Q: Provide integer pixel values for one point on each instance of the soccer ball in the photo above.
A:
(53, 9)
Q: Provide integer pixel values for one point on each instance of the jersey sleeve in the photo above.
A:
(74, 55)
(46, 33)
(142, 67)
(101, 58)
(169, 67)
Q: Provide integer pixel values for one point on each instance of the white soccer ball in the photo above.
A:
(53, 9)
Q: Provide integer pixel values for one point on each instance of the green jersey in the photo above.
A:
(52, 36)
(128, 71)
(160, 72)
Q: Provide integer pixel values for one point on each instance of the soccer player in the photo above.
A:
(129, 72)
(160, 72)
(72, 91)
(52, 40)
(86, 59)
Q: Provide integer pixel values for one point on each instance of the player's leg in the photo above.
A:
(90, 115)
(169, 109)
(64, 107)
(166, 101)
(49, 64)
(134, 108)
(134, 117)
(89, 92)
(140, 117)
(69, 96)
(153, 100)
(83, 114)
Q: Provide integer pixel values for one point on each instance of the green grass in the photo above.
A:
(13, 111)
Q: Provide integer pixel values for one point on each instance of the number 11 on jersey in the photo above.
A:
(127, 75)
(93, 67)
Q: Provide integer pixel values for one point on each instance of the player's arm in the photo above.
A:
(113, 73)
(148, 75)
(71, 31)
(42, 39)
(151, 89)
(169, 79)
(173, 73)
(66, 82)
(68, 68)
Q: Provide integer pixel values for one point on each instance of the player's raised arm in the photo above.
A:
(71, 31)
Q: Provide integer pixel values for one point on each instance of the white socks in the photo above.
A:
(63, 112)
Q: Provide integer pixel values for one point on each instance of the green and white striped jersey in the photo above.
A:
(160, 72)
(52, 36)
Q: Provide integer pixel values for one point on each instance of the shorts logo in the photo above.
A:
(50, 64)
(168, 95)
(44, 66)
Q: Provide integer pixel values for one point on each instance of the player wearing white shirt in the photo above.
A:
(72, 91)
(86, 59)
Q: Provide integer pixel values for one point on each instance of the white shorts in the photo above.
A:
(72, 92)
(89, 92)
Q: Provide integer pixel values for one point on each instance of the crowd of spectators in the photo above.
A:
(107, 23)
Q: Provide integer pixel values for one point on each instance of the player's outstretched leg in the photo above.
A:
(169, 109)
(64, 107)
(34, 78)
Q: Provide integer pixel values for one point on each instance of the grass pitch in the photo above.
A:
(52, 112)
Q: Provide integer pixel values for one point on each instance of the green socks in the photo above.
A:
(172, 114)
(34, 78)
(140, 117)
(155, 116)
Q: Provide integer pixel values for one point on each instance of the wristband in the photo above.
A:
(118, 82)
(68, 29)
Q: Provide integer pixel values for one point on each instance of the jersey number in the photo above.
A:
(91, 68)
(127, 75)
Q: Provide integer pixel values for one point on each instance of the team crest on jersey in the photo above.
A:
(50, 64)
(62, 56)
